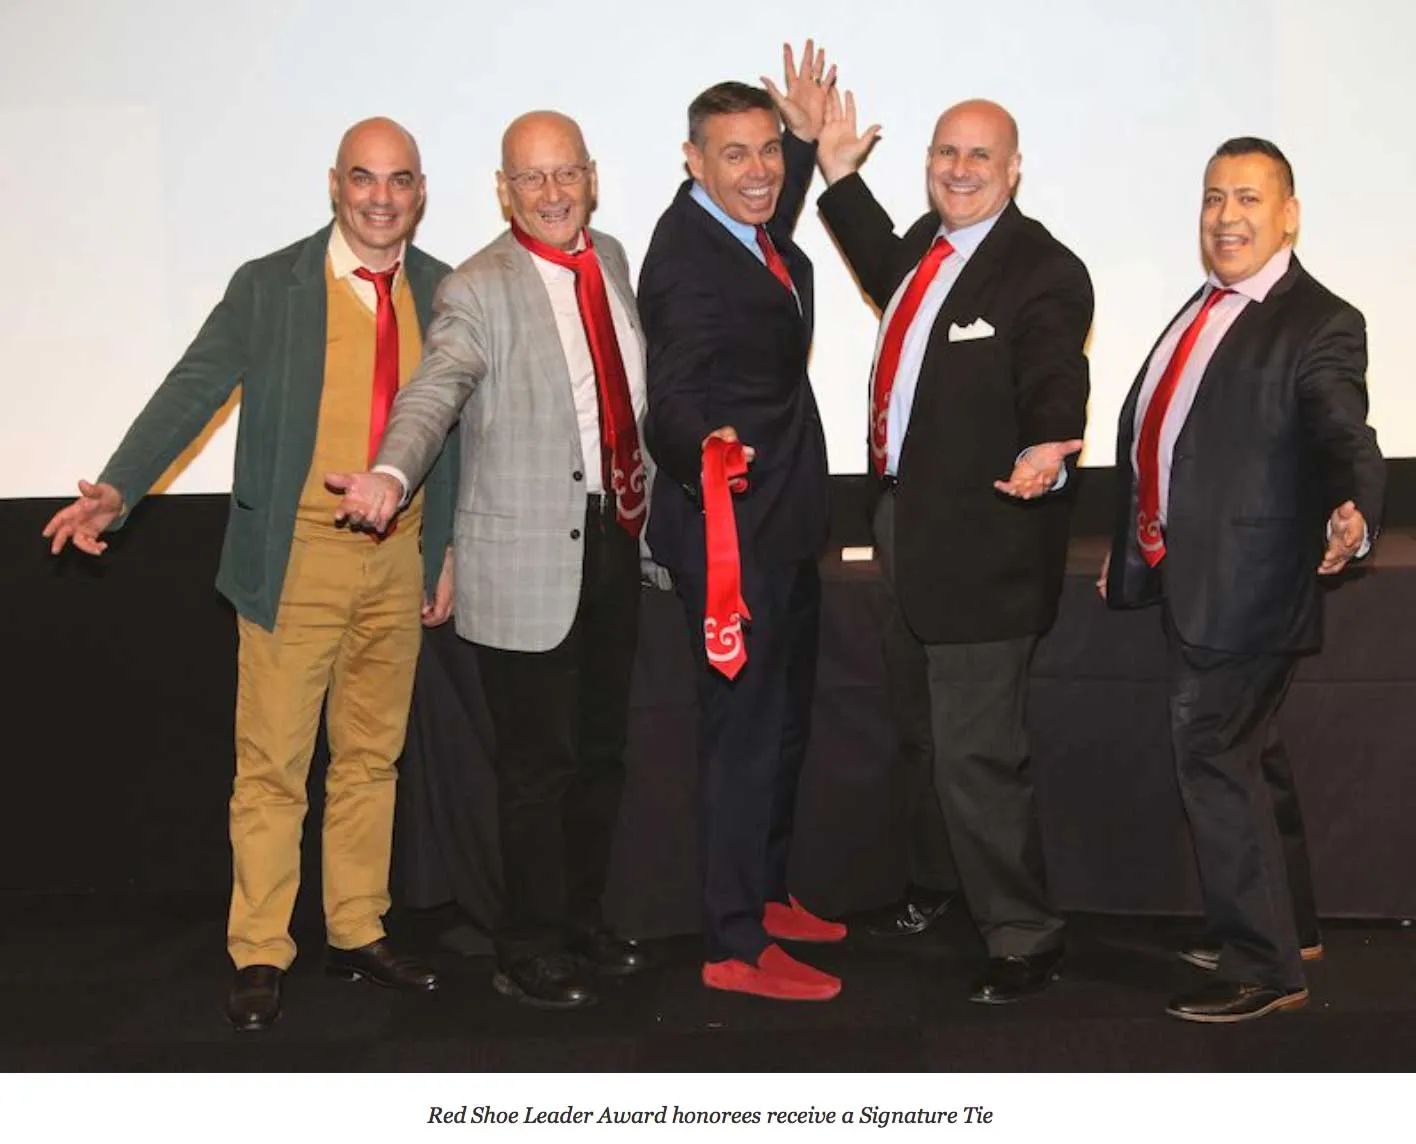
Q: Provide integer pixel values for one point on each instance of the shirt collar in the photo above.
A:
(742, 231)
(966, 239)
(1256, 287)
(343, 261)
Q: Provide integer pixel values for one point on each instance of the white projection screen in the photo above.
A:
(148, 147)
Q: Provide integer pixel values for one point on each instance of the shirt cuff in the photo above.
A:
(396, 474)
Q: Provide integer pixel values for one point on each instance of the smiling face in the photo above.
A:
(377, 190)
(549, 144)
(739, 163)
(973, 163)
(1247, 215)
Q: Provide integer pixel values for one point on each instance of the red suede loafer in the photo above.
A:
(794, 922)
(777, 975)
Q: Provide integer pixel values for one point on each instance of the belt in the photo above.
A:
(600, 504)
(889, 482)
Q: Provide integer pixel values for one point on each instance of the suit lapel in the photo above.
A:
(305, 333)
(529, 303)
(753, 268)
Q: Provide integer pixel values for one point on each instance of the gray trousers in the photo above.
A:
(972, 795)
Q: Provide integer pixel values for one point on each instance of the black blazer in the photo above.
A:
(727, 346)
(973, 565)
(1277, 437)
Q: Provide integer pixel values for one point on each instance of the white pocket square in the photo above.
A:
(978, 328)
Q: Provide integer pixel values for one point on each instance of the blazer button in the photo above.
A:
(575, 534)
(577, 475)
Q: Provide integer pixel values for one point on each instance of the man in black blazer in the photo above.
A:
(726, 300)
(1247, 470)
(979, 396)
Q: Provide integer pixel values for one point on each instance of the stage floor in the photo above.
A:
(115, 984)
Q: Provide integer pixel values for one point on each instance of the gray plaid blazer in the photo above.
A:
(492, 357)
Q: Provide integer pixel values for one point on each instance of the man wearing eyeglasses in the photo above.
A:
(536, 347)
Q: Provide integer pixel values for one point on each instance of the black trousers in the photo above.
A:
(981, 770)
(561, 719)
(752, 737)
(1222, 710)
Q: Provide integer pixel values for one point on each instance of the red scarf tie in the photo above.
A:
(1148, 532)
(889, 360)
(621, 462)
(724, 473)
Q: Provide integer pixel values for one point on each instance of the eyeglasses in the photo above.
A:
(571, 175)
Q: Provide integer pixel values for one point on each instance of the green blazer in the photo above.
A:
(267, 335)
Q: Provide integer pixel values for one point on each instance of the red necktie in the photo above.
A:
(621, 462)
(385, 354)
(1148, 533)
(724, 473)
(889, 360)
(774, 260)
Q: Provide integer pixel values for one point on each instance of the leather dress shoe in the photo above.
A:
(605, 953)
(904, 919)
(776, 974)
(1012, 978)
(380, 963)
(1203, 955)
(254, 1000)
(1227, 1001)
(548, 981)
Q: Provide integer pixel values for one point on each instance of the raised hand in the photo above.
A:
(803, 106)
(840, 147)
(1036, 470)
(1347, 531)
(83, 521)
(370, 501)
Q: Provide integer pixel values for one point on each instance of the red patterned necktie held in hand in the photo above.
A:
(1148, 531)
(774, 260)
(621, 461)
(385, 353)
(724, 473)
(889, 360)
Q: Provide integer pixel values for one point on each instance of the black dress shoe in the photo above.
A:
(1011, 978)
(378, 962)
(1203, 955)
(904, 919)
(551, 981)
(254, 1000)
(604, 953)
(1227, 1001)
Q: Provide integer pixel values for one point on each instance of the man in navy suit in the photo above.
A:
(726, 300)
(1247, 471)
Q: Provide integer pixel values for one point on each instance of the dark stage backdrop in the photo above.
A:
(121, 675)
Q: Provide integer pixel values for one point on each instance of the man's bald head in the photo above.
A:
(532, 131)
(376, 188)
(381, 133)
(973, 164)
(547, 181)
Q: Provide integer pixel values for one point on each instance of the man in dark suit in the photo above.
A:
(318, 336)
(979, 395)
(726, 300)
(1243, 441)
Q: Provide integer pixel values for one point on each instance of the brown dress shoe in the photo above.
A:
(380, 963)
(254, 1000)
(1226, 1002)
